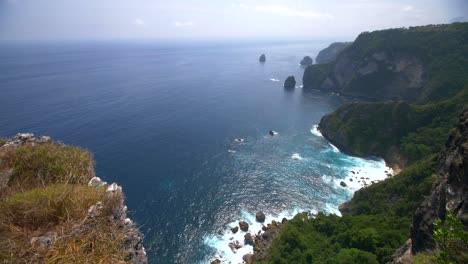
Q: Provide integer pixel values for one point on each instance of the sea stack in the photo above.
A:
(306, 61)
(262, 58)
(290, 83)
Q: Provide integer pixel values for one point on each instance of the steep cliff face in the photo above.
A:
(330, 53)
(451, 193)
(414, 65)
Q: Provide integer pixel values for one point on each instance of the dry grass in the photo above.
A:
(43, 164)
(47, 195)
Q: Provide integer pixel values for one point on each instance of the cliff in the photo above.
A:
(54, 208)
(399, 132)
(416, 65)
(330, 53)
(450, 192)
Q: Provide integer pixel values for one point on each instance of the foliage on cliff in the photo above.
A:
(438, 50)
(44, 207)
(400, 132)
(375, 222)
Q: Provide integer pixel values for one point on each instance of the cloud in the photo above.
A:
(183, 23)
(138, 22)
(281, 10)
(407, 8)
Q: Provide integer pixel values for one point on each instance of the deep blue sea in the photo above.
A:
(161, 119)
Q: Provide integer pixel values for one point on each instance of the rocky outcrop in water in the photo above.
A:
(244, 226)
(451, 193)
(290, 83)
(260, 217)
(306, 61)
(262, 58)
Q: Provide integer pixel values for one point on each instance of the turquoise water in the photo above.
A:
(161, 120)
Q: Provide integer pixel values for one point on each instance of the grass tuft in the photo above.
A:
(36, 165)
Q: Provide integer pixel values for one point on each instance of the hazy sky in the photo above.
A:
(216, 19)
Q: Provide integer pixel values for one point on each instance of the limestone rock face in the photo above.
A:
(450, 194)
(290, 83)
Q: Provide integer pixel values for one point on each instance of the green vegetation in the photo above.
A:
(451, 239)
(399, 132)
(44, 195)
(440, 49)
(375, 223)
(315, 75)
(377, 219)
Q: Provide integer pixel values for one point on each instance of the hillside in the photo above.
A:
(419, 64)
(424, 68)
(55, 210)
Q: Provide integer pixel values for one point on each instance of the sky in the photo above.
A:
(216, 19)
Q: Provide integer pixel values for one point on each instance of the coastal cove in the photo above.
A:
(161, 121)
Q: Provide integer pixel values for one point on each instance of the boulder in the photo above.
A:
(306, 61)
(343, 184)
(260, 217)
(290, 83)
(248, 239)
(262, 58)
(216, 261)
(234, 229)
(244, 226)
(235, 246)
(248, 258)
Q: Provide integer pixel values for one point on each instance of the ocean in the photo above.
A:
(162, 118)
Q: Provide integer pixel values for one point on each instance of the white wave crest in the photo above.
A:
(296, 156)
(315, 131)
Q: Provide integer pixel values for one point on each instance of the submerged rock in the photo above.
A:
(273, 133)
(235, 246)
(262, 58)
(244, 226)
(306, 61)
(260, 217)
(290, 82)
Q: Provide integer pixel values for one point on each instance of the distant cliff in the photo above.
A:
(418, 64)
(53, 209)
(330, 53)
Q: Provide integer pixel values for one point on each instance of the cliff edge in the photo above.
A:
(54, 209)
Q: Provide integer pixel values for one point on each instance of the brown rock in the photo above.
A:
(248, 239)
(244, 226)
(260, 217)
(234, 229)
(248, 258)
